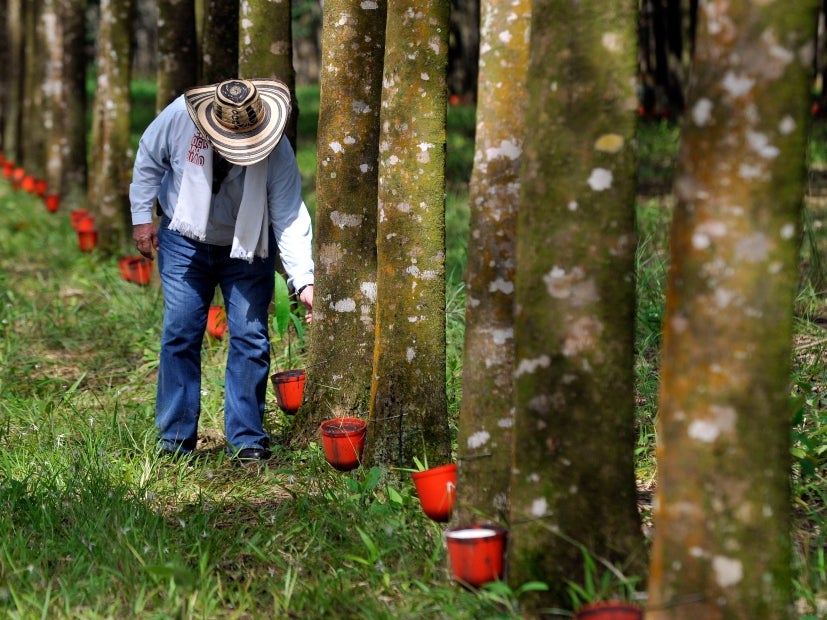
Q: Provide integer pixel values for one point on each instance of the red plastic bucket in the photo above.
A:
(476, 554)
(437, 488)
(289, 388)
(343, 440)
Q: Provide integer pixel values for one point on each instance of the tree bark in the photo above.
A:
(14, 97)
(574, 438)
(111, 152)
(724, 419)
(219, 48)
(33, 136)
(486, 414)
(266, 49)
(64, 97)
(464, 48)
(408, 415)
(177, 50)
(346, 196)
(5, 72)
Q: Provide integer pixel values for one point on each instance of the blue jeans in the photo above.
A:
(190, 271)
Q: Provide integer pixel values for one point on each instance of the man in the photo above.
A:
(229, 191)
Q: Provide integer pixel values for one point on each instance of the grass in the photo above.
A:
(97, 526)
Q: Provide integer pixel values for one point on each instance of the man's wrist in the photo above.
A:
(301, 288)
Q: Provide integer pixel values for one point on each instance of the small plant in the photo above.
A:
(500, 593)
(284, 316)
(602, 581)
(419, 465)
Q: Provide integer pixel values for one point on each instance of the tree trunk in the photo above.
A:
(722, 524)
(111, 153)
(219, 47)
(574, 438)
(71, 180)
(820, 62)
(486, 414)
(64, 93)
(464, 48)
(5, 72)
(266, 49)
(346, 198)
(14, 97)
(53, 88)
(177, 50)
(408, 415)
(145, 43)
(33, 136)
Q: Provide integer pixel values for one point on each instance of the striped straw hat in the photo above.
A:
(242, 119)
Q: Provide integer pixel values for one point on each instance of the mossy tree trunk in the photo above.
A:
(5, 72)
(408, 414)
(33, 136)
(111, 152)
(574, 434)
(486, 414)
(14, 79)
(265, 49)
(722, 521)
(341, 360)
(177, 50)
(64, 91)
(219, 41)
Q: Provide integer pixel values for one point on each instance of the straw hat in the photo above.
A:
(242, 119)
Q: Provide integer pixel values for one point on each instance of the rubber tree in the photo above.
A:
(5, 72)
(464, 52)
(408, 412)
(13, 99)
(110, 153)
(342, 338)
(487, 414)
(573, 481)
(265, 49)
(64, 92)
(177, 50)
(722, 521)
(219, 41)
(33, 129)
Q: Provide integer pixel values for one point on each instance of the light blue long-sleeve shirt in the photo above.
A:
(159, 169)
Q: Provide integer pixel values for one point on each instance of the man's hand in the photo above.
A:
(306, 297)
(146, 240)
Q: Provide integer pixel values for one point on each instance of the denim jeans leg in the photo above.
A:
(188, 284)
(247, 289)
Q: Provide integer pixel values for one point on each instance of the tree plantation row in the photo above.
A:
(545, 440)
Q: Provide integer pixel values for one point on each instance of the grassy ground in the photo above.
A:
(96, 526)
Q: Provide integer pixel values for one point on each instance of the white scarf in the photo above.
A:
(192, 212)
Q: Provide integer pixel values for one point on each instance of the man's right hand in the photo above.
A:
(146, 239)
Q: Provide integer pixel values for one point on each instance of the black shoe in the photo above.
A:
(253, 455)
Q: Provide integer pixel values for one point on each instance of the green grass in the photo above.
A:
(657, 149)
(96, 525)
